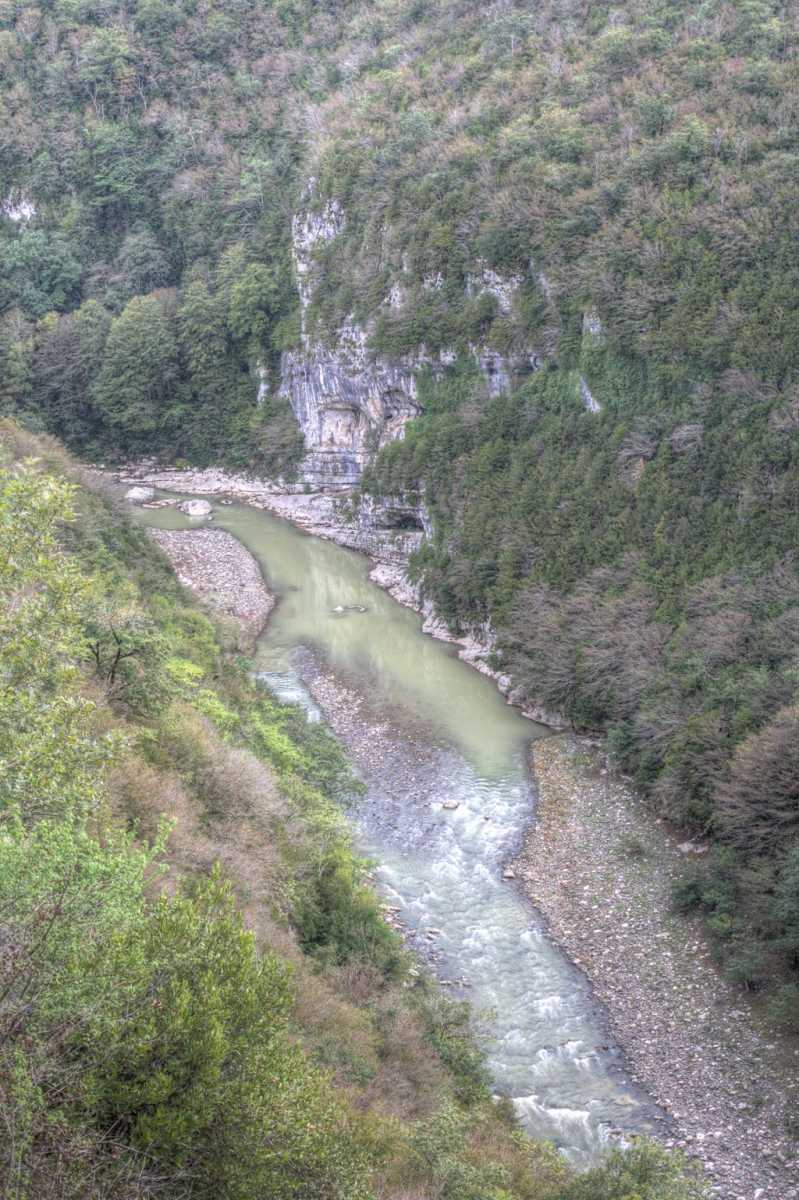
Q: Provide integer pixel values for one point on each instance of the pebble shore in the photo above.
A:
(600, 868)
(223, 574)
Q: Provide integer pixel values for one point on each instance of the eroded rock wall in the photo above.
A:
(348, 401)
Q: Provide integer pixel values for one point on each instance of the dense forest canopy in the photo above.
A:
(626, 177)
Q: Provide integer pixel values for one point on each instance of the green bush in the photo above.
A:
(338, 919)
(646, 1172)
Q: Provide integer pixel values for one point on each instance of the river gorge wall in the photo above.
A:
(349, 401)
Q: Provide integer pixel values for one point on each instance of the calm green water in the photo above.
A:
(451, 737)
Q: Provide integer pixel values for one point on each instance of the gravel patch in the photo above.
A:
(222, 573)
(600, 868)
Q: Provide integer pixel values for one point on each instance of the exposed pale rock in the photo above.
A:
(589, 400)
(491, 283)
(347, 406)
(208, 482)
(263, 384)
(196, 508)
(18, 208)
(349, 401)
(592, 324)
(140, 495)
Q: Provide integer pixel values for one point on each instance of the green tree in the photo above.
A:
(254, 305)
(140, 377)
(68, 359)
(106, 69)
(140, 266)
(223, 389)
(38, 271)
(49, 760)
(16, 366)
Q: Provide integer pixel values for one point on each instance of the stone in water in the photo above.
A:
(196, 508)
(140, 495)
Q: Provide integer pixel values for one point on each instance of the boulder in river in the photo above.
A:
(140, 495)
(196, 508)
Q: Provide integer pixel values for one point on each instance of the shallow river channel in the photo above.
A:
(425, 730)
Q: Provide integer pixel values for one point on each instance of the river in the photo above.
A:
(448, 796)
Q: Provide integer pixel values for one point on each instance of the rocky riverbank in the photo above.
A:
(600, 867)
(223, 574)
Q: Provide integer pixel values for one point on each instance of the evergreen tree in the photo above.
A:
(138, 389)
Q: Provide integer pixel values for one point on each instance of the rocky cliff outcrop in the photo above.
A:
(349, 401)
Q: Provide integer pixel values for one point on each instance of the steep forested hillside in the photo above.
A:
(604, 195)
(157, 144)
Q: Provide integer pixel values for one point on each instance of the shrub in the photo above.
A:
(784, 1007)
(339, 919)
(646, 1172)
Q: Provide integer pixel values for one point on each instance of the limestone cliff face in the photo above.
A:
(347, 406)
(348, 401)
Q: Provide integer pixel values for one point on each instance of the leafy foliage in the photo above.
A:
(605, 193)
(175, 235)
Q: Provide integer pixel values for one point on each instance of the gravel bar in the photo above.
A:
(600, 867)
(222, 573)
